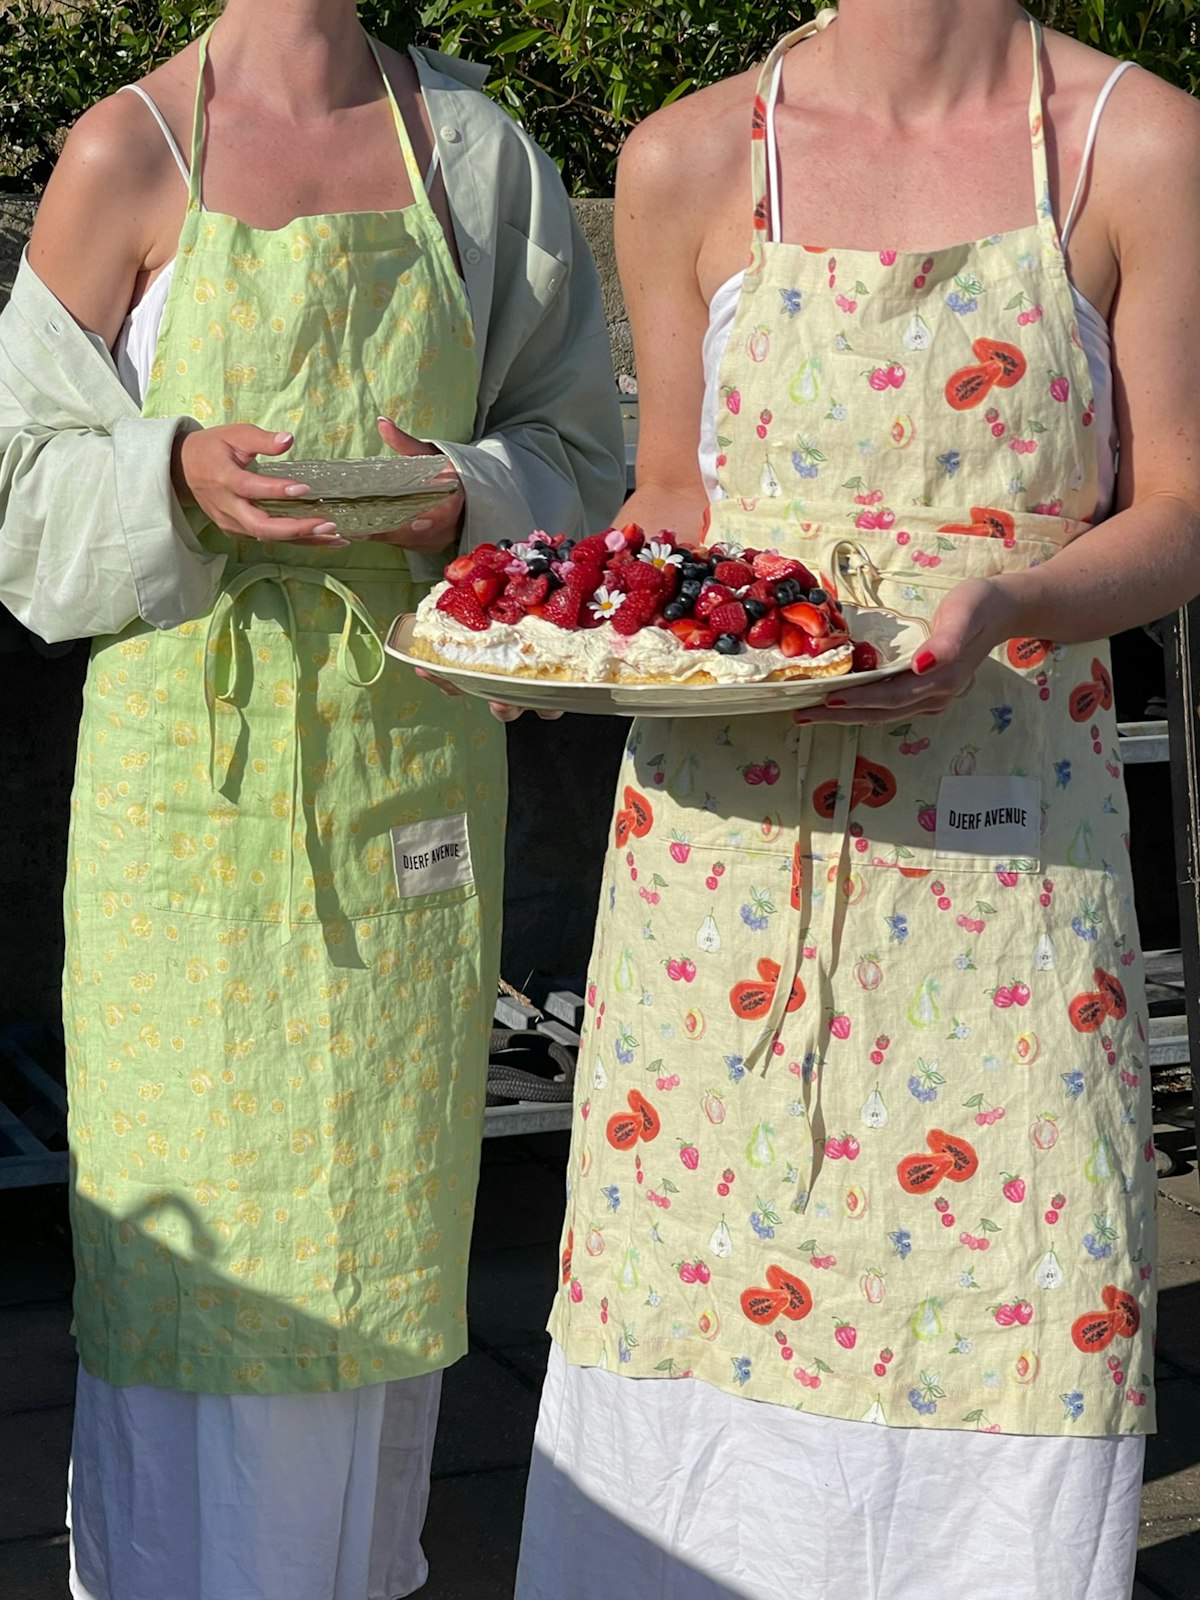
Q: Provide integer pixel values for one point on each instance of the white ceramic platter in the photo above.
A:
(895, 637)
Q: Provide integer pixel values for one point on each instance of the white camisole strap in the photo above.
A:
(774, 175)
(1089, 146)
(172, 146)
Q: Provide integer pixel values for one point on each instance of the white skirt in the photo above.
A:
(249, 1497)
(673, 1490)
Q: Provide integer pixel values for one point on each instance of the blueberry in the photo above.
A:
(565, 549)
(755, 609)
(676, 610)
(788, 591)
(818, 596)
(727, 644)
(694, 569)
(690, 587)
(504, 544)
(537, 567)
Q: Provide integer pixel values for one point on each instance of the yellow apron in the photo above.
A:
(865, 1116)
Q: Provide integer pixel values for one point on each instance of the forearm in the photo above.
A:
(1136, 567)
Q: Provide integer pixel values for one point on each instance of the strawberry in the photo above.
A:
(460, 569)
(807, 616)
(462, 605)
(735, 574)
(729, 618)
(774, 566)
(506, 610)
(634, 537)
(792, 641)
(489, 559)
(765, 632)
(693, 635)
(562, 608)
(866, 657)
(486, 586)
(709, 598)
(640, 608)
(528, 592)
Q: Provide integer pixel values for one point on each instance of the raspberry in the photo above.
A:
(591, 549)
(736, 574)
(489, 560)
(765, 632)
(506, 610)
(585, 575)
(709, 598)
(729, 618)
(528, 592)
(866, 657)
(462, 605)
(641, 575)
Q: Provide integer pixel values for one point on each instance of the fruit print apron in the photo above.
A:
(864, 1120)
(283, 899)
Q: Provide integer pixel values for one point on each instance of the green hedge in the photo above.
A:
(579, 73)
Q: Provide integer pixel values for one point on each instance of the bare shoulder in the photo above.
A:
(703, 137)
(1145, 108)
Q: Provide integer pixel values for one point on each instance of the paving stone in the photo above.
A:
(510, 1294)
(473, 1536)
(34, 1570)
(34, 1449)
(37, 1357)
(487, 1420)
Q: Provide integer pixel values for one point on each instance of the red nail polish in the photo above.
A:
(838, 702)
(923, 660)
(802, 722)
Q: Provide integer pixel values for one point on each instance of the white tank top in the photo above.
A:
(138, 338)
(1093, 330)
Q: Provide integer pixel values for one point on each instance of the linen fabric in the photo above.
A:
(679, 1491)
(863, 1120)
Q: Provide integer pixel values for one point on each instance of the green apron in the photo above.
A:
(284, 888)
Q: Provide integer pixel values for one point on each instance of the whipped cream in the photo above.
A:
(594, 655)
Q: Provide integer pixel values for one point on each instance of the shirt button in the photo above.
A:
(472, 255)
(450, 135)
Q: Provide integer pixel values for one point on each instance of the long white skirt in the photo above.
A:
(246, 1497)
(673, 1490)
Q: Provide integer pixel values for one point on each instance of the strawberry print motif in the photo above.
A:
(921, 1078)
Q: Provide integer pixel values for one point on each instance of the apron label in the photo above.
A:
(432, 856)
(989, 817)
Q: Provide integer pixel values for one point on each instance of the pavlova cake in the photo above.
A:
(619, 607)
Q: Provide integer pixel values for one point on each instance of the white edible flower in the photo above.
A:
(661, 555)
(606, 602)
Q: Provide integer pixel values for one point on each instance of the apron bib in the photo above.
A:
(284, 895)
(865, 1115)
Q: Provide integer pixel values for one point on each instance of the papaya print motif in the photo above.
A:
(897, 1055)
(276, 1064)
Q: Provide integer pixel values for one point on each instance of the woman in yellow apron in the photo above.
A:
(283, 900)
(864, 1121)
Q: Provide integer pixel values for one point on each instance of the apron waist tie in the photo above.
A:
(221, 678)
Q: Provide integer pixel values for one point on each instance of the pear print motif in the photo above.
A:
(708, 937)
(918, 335)
(1045, 958)
(1049, 1273)
(874, 1112)
(806, 385)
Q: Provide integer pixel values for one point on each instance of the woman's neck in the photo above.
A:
(907, 61)
(301, 58)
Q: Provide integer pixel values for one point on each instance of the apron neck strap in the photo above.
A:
(763, 179)
(1037, 134)
(406, 149)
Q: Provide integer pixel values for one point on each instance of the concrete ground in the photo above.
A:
(490, 1399)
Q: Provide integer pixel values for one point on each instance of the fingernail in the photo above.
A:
(422, 526)
(802, 722)
(325, 527)
(922, 661)
(295, 490)
(388, 420)
(336, 543)
(284, 439)
(838, 702)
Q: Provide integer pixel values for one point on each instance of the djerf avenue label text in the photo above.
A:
(997, 817)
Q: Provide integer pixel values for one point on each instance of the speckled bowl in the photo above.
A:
(361, 497)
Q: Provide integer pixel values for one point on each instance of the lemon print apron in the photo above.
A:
(283, 899)
(864, 1119)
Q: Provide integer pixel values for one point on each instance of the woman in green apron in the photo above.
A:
(284, 893)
